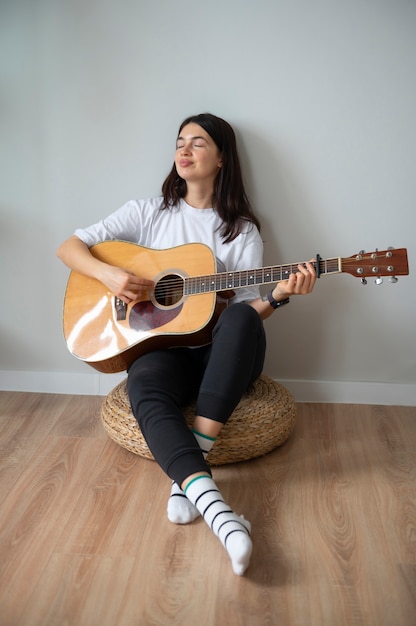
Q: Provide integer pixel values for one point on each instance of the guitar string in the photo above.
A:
(221, 281)
(194, 285)
(257, 276)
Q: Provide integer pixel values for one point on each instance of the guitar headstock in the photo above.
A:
(390, 262)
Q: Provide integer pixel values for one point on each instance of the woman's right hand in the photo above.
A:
(124, 284)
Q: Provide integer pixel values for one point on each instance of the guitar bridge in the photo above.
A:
(120, 308)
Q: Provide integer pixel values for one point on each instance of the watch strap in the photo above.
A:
(275, 304)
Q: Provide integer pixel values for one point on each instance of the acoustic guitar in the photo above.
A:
(181, 308)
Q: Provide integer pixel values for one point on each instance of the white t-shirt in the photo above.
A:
(144, 223)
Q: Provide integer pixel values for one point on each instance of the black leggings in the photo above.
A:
(161, 382)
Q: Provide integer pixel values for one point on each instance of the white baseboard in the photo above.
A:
(337, 392)
(89, 384)
(94, 383)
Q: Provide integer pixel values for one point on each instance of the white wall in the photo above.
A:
(322, 96)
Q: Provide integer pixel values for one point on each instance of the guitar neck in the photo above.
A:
(262, 276)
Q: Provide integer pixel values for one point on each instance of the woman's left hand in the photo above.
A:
(299, 283)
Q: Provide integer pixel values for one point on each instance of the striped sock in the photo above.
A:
(232, 530)
(180, 510)
(204, 442)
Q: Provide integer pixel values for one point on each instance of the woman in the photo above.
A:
(203, 200)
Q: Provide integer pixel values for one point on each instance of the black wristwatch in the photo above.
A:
(274, 303)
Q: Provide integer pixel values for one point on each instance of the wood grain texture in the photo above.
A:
(84, 538)
(95, 334)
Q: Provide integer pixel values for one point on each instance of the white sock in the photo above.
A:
(180, 510)
(232, 530)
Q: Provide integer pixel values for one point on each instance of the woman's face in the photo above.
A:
(197, 157)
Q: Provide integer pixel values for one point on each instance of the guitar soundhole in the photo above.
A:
(169, 290)
(149, 315)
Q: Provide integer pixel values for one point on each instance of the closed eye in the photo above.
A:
(197, 142)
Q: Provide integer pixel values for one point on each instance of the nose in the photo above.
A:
(185, 148)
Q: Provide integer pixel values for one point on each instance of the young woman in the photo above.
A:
(203, 200)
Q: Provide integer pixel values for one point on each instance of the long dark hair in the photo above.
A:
(229, 197)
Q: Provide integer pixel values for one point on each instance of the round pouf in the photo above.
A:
(262, 421)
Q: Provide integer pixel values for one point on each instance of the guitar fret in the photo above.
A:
(223, 281)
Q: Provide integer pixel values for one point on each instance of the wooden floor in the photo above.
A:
(84, 539)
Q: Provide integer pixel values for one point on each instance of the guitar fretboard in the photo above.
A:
(262, 276)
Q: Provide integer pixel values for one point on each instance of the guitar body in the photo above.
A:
(94, 333)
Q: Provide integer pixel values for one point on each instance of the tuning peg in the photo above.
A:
(393, 279)
(363, 281)
(378, 280)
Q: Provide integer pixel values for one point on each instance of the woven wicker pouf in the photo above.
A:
(262, 421)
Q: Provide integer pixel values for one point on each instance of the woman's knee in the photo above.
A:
(161, 377)
(240, 317)
(143, 370)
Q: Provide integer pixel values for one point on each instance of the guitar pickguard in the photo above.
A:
(145, 316)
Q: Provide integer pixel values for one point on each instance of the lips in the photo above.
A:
(185, 162)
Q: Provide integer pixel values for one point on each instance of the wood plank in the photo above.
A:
(74, 590)
(25, 421)
(118, 500)
(82, 418)
(84, 537)
(34, 513)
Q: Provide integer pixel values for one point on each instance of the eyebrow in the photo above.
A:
(180, 138)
